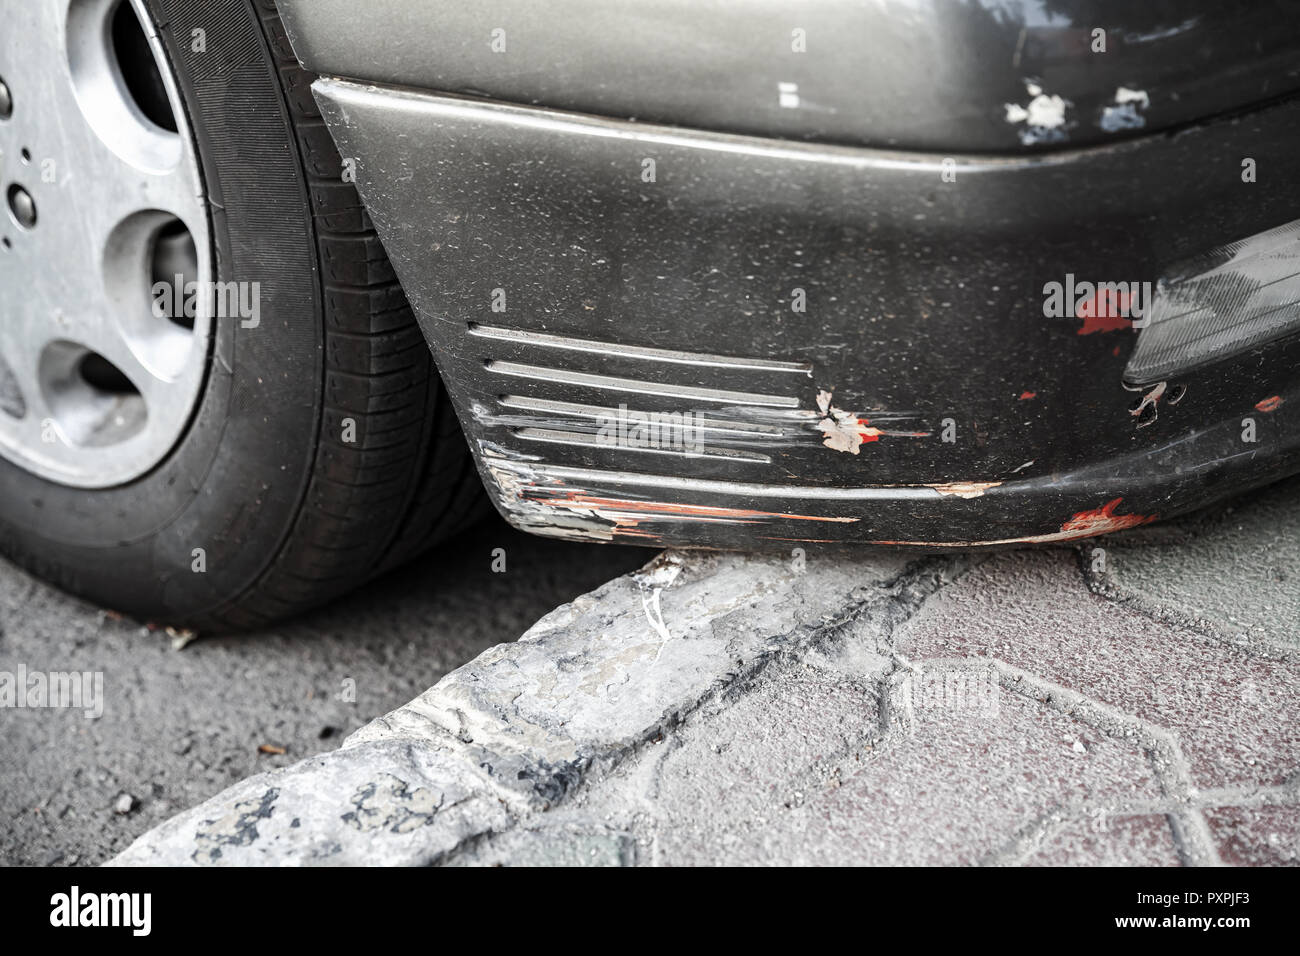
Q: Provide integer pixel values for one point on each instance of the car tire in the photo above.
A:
(322, 449)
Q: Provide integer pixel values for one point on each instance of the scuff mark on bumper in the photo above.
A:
(546, 505)
(1083, 524)
(965, 489)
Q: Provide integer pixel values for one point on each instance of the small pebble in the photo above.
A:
(125, 803)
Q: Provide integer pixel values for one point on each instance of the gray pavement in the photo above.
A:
(1133, 700)
(181, 725)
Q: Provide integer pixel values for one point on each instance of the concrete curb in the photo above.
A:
(515, 731)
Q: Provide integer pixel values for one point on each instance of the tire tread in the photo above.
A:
(408, 481)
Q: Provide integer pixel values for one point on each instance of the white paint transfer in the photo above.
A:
(1043, 118)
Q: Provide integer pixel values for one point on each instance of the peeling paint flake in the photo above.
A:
(1269, 404)
(843, 431)
(1102, 520)
(1126, 111)
(965, 489)
(1124, 95)
(1042, 119)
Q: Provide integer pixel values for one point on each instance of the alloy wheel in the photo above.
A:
(103, 209)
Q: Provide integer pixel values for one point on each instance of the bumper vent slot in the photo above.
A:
(592, 440)
(540, 373)
(617, 350)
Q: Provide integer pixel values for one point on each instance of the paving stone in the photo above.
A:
(1257, 835)
(1100, 839)
(1234, 570)
(771, 782)
(768, 751)
(1233, 709)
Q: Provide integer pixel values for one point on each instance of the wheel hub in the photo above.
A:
(104, 209)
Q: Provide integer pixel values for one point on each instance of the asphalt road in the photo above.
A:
(181, 725)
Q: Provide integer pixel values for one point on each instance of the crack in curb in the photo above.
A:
(883, 608)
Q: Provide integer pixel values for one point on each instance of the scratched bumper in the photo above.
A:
(857, 337)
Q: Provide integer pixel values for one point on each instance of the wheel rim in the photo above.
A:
(104, 208)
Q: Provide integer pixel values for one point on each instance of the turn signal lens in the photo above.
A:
(1232, 299)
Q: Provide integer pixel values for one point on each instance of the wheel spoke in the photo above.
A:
(129, 190)
(21, 364)
(35, 433)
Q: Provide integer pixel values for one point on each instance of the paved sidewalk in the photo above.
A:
(1130, 701)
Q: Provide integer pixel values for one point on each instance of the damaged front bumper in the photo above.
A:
(876, 288)
(693, 338)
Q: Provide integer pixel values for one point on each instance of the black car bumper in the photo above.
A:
(830, 343)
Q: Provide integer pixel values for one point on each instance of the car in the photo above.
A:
(286, 288)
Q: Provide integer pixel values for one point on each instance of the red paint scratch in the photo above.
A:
(1026, 396)
(1084, 524)
(1104, 312)
(866, 431)
(1103, 520)
(1269, 404)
